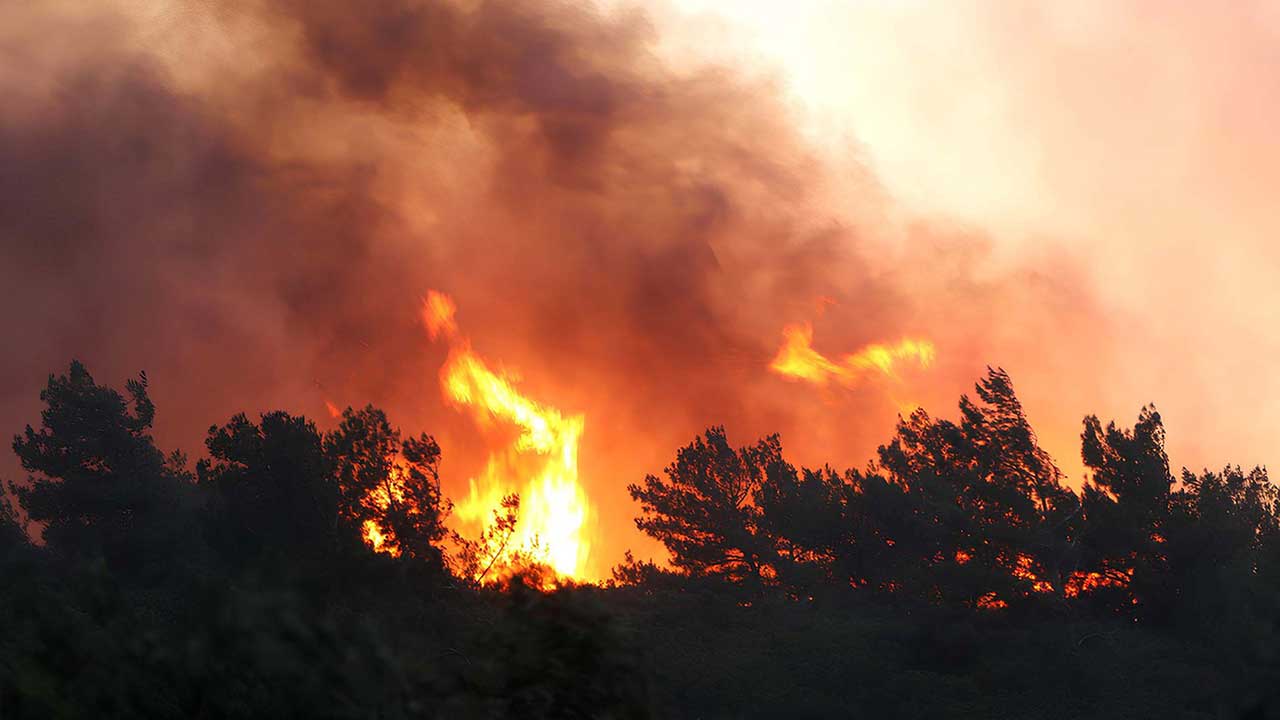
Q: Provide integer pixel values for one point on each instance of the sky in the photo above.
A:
(1136, 136)
(629, 202)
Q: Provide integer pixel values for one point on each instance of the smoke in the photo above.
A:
(1138, 134)
(248, 200)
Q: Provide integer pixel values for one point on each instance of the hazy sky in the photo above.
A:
(1138, 136)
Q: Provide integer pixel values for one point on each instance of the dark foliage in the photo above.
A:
(391, 481)
(956, 576)
(271, 489)
(100, 487)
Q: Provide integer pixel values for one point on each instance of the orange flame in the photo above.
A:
(383, 495)
(1025, 570)
(797, 358)
(1083, 583)
(376, 540)
(541, 465)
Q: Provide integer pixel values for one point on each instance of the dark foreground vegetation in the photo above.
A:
(954, 577)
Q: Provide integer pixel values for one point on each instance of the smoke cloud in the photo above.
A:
(249, 200)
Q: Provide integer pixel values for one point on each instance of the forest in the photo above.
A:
(955, 576)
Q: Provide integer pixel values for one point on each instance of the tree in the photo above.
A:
(99, 484)
(705, 510)
(388, 485)
(896, 533)
(1025, 502)
(803, 516)
(272, 489)
(988, 515)
(1220, 545)
(11, 532)
(491, 560)
(1126, 507)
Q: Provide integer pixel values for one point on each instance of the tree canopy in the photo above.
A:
(306, 573)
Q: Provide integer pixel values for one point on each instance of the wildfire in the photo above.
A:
(376, 540)
(1082, 583)
(1025, 570)
(541, 466)
(797, 358)
(391, 490)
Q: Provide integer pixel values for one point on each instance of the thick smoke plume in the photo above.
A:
(249, 200)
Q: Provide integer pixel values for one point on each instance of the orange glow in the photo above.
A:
(1080, 583)
(391, 490)
(1025, 570)
(376, 540)
(797, 358)
(437, 314)
(334, 412)
(541, 466)
(990, 601)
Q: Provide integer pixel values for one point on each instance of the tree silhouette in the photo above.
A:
(99, 484)
(949, 566)
(484, 559)
(1220, 549)
(272, 489)
(803, 515)
(391, 481)
(1126, 505)
(989, 516)
(705, 510)
(11, 533)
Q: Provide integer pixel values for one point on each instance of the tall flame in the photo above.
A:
(797, 358)
(541, 466)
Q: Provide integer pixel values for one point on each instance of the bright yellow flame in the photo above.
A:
(541, 465)
(1024, 569)
(391, 490)
(797, 358)
(376, 540)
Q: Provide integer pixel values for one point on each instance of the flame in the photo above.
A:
(990, 601)
(797, 358)
(334, 412)
(391, 490)
(376, 540)
(1078, 583)
(541, 465)
(1025, 570)
(437, 314)
(1082, 583)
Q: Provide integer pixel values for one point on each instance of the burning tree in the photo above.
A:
(390, 486)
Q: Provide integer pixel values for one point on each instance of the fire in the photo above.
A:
(1025, 570)
(1082, 583)
(391, 490)
(990, 601)
(797, 358)
(541, 466)
(376, 540)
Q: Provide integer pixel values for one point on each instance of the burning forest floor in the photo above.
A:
(304, 574)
